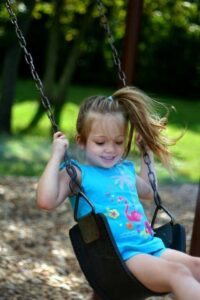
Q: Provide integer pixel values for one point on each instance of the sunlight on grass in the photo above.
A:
(68, 119)
(22, 113)
(23, 155)
(186, 155)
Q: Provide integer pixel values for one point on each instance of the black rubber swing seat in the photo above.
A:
(101, 262)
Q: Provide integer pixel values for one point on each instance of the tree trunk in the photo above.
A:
(11, 62)
(51, 64)
(70, 64)
(52, 50)
(10, 69)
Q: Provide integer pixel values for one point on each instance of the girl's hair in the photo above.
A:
(139, 114)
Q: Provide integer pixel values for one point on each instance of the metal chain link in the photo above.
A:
(29, 60)
(152, 180)
(111, 42)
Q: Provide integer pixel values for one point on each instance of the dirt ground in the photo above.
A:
(36, 258)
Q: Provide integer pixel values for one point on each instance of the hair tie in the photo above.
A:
(110, 98)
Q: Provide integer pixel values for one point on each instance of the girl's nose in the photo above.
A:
(110, 148)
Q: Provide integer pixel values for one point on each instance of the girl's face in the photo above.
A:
(106, 140)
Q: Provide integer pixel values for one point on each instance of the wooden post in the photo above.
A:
(96, 297)
(195, 242)
(133, 21)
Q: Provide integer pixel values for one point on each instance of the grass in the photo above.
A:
(27, 154)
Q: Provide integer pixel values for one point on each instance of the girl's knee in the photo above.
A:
(181, 271)
(195, 262)
(177, 270)
(195, 266)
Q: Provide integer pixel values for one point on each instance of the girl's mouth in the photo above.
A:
(108, 158)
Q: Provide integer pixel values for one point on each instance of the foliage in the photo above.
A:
(169, 59)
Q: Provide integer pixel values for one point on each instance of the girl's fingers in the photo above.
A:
(138, 138)
(59, 134)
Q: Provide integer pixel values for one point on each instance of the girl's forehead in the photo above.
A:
(116, 117)
(108, 124)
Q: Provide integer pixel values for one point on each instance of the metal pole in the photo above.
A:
(195, 242)
(133, 22)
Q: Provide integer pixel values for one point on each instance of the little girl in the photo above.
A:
(105, 130)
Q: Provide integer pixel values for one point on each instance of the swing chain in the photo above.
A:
(152, 180)
(29, 60)
(152, 177)
(111, 42)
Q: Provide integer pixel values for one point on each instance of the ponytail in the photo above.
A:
(145, 120)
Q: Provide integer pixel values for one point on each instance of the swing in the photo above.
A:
(91, 237)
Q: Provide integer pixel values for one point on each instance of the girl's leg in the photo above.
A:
(162, 275)
(191, 262)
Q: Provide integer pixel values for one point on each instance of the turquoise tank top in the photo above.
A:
(113, 193)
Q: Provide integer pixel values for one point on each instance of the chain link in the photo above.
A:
(151, 176)
(29, 60)
(152, 180)
(111, 42)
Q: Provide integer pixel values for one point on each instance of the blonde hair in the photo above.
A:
(139, 113)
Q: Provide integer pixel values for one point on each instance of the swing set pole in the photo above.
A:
(195, 242)
(96, 297)
(131, 39)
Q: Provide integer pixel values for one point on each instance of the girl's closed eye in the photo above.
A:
(99, 143)
(119, 142)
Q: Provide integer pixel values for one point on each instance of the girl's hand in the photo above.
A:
(143, 148)
(60, 144)
(139, 142)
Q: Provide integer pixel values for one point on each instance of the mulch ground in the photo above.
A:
(36, 257)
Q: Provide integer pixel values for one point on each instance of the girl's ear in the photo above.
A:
(79, 142)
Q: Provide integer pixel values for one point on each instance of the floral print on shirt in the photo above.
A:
(128, 214)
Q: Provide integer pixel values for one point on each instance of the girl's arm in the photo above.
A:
(53, 186)
(144, 189)
(143, 185)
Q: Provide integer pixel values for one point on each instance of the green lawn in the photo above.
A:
(27, 154)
